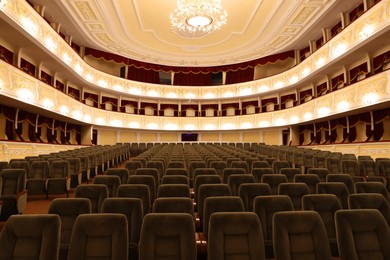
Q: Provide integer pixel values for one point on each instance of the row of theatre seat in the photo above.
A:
(54, 173)
(171, 170)
(360, 233)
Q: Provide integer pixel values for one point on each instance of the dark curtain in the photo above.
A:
(241, 75)
(143, 75)
(192, 79)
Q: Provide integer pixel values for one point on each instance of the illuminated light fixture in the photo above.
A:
(102, 83)
(89, 77)
(152, 126)
(279, 84)
(50, 44)
(189, 127)
(209, 127)
(245, 91)
(294, 79)
(170, 126)
(134, 124)
(246, 125)
(197, 18)
(48, 103)
(152, 93)
(64, 110)
(306, 72)
(263, 88)
(367, 31)
(29, 26)
(25, 94)
(342, 106)
(116, 123)
(77, 114)
(370, 98)
(189, 95)
(320, 62)
(87, 118)
(339, 50)
(228, 94)
(280, 121)
(228, 126)
(100, 121)
(264, 124)
(135, 91)
(294, 119)
(117, 87)
(209, 95)
(78, 69)
(323, 111)
(66, 58)
(171, 95)
(308, 116)
(3, 3)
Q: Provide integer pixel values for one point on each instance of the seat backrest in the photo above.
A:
(122, 173)
(69, 209)
(220, 204)
(205, 179)
(230, 171)
(344, 178)
(326, 205)
(311, 181)
(368, 168)
(147, 180)
(260, 164)
(295, 191)
(149, 172)
(99, 236)
(266, 206)
(248, 192)
(240, 164)
(372, 187)
(218, 166)
(111, 181)
(290, 173)
(236, 180)
(96, 193)
(140, 191)
(20, 164)
(350, 167)
(167, 236)
(333, 164)
(131, 166)
(370, 201)
(321, 172)
(12, 181)
(300, 235)
(337, 188)
(173, 190)
(132, 209)
(278, 165)
(235, 235)
(59, 169)
(175, 179)
(259, 172)
(384, 167)
(159, 165)
(177, 171)
(176, 164)
(39, 170)
(204, 171)
(209, 190)
(356, 240)
(274, 180)
(174, 205)
(31, 237)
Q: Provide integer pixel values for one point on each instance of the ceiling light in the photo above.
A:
(196, 18)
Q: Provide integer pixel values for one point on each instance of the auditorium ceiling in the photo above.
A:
(141, 30)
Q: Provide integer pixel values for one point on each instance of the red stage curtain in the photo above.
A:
(143, 75)
(192, 79)
(240, 75)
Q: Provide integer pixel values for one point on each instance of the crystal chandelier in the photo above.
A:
(196, 18)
